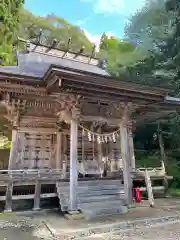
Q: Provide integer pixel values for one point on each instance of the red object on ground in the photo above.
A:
(137, 195)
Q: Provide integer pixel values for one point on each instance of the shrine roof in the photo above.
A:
(28, 70)
(36, 64)
(40, 62)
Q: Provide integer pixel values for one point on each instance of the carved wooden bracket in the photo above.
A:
(15, 108)
(69, 108)
(52, 81)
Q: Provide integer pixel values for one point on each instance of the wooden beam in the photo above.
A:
(109, 82)
(37, 130)
(110, 121)
(25, 87)
(110, 91)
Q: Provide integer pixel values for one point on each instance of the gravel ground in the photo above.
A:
(170, 231)
(163, 231)
(166, 231)
(162, 223)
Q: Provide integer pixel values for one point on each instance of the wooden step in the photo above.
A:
(93, 183)
(95, 197)
(97, 193)
(101, 200)
(93, 188)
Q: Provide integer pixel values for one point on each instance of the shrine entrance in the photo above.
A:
(71, 126)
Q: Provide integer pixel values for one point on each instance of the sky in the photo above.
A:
(93, 16)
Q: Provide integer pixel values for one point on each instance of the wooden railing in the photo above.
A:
(153, 172)
(31, 174)
(57, 174)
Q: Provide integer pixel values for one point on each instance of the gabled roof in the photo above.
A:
(37, 64)
(41, 63)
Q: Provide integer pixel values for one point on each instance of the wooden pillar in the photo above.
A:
(59, 151)
(22, 149)
(12, 156)
(131, 150)
(126, 166)
(8, 203)
(37, 196)
(73, 165)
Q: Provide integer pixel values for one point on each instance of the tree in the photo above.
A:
(52, 27)
(149, 25)
(9, 12)
(117, 52)
(17, 22)
(160, 67)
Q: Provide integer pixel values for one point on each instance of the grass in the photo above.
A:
(174, 192)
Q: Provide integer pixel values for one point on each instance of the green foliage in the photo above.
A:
(17, 22)
(4, 143)
(52, 27)
(160, 68)
(151, 55)
(9, 12)
(117, 52)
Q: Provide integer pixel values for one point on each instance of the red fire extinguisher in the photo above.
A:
(137, 195)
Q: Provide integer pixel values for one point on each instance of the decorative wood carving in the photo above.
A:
(16, 85)
(105, 110)
(70, 108)
(15, 108)
(52, 81)
(38, 122)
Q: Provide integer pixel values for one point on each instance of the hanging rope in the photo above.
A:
(99, 134)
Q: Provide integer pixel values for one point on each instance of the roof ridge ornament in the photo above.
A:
(65, 53)
(103, 63)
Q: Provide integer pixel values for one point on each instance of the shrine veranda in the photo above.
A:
(71, 125)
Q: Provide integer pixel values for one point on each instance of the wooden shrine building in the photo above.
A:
(72, 126)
